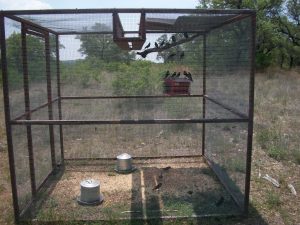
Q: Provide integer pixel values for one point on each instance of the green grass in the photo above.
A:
(273, 200)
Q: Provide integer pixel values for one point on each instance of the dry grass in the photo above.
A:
(277, 110)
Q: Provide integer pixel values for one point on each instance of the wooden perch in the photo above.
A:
(167, 45)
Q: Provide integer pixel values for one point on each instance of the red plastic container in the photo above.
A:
(177, 86)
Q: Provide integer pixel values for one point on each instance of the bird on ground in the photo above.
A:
(167, 74)
(173, 74)
(186, 35)
(143, 54)
(178, 74)
(158, 186)
(220, 201)
(156, 45)
(173, 38)
(181, 55)
(171, 55)
(190, 192)
(148, 45)
(168, 167)
(160, 175)
(161, 43)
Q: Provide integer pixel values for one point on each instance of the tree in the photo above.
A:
(35, 58)
(277, 33)
(102, 46)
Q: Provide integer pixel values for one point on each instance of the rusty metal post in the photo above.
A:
(59, 99)
(204, 93)
(7, 121)
(27, 110)
(49, 94)
(251, 113)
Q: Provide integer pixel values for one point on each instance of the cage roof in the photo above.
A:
(101, 20)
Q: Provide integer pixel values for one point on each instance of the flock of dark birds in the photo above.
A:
(174, 75)
(218, 203)
(164, 44)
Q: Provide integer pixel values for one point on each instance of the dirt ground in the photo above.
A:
(188, 188)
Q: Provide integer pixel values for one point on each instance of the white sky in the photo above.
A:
(69, 42)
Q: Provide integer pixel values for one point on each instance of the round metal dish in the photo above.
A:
(97, 202)
(126, 171)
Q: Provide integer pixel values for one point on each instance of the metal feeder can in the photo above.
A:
(90, 192)
(124, 163)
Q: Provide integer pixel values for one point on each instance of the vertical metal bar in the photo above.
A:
(251, 112)
(204, 93)
(27, 110)
(59, 100)
(49, 94)
(7, 121)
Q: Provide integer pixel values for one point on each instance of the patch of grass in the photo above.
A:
(273, 200)
(277, 152)
(236, 165)
(296, 155)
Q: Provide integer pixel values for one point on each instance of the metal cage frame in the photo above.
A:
(28, 27)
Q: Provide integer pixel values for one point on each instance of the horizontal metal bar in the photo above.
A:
(127, 10)
(228, 108)
(35, 109)
(154, 121)
(126, 32)
(137, 158)
(130, 96)
(21, 20)
(224, 181)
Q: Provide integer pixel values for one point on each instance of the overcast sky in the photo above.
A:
(71, 44)
(60, 4)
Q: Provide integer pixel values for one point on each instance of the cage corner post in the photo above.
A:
(59, 98)
(203, 93)
(250, 113)
(49, 96)
(27, 109)
(8, 121)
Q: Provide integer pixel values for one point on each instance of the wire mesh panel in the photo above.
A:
(22, 165)
(228, 77)
(81, 88)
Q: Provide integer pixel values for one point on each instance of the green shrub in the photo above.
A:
(273, 200)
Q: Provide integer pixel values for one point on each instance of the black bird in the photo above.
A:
(160, 175)
(181, 55)
(148, 45)
(168, 167)
(158, 186)
(186, 35)
(171, 55)
(220, 201)
(173, 75)
(161, 43)
(167, 74)
(143, 54)
(156, 45)
(173, 38)
(190, 192)
(178, 74)
(189, 76)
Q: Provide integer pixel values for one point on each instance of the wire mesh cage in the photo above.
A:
(173, 88)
